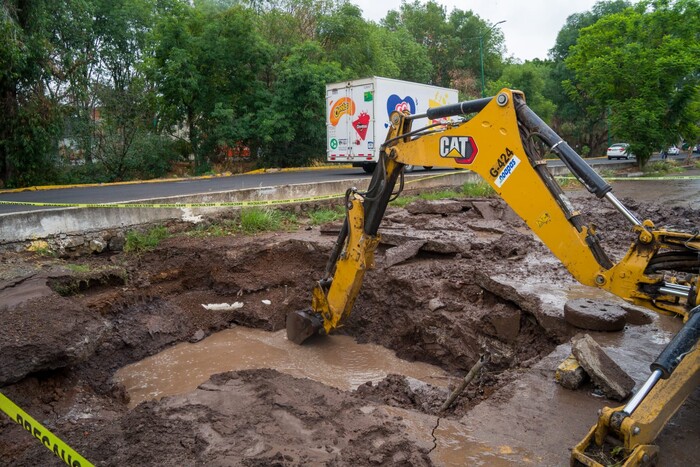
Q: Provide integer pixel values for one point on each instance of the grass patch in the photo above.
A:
(662, 167)
(137, 242)
(325, 215)
(403, 201)
(78, 268)
(568, 182)
(442, 194)
(478, 189)
(255, 220)
(607, 173)
(222, 229)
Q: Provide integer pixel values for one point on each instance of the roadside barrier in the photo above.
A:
(221, 204)
(48, 439)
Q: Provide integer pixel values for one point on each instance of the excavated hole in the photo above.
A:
(427, 309)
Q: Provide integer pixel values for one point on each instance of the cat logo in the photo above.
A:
(460, 148)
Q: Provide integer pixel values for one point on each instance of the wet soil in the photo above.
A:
(473, 281)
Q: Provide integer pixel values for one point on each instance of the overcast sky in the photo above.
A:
(530, 29)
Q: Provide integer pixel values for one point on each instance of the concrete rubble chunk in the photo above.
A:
(402, 252)
(570, 374)
(605, 373)
(595, 315)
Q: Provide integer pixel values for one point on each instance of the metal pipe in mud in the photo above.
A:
(467, 379)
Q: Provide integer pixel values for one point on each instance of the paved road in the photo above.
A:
(147, 191)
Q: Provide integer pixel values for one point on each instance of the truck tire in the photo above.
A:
(369, 167)
(428, 167)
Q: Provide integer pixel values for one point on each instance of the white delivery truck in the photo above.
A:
(357, 115)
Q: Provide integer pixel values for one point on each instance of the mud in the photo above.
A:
(473, 280)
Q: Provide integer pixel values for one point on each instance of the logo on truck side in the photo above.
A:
(460, 148)
(343, 106)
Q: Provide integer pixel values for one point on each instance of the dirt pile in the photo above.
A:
(455, 294)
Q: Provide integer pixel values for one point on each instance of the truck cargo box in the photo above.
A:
(357, 115)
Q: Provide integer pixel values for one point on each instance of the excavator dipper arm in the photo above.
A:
(505, 142)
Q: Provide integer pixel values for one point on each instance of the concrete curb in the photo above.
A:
(38, 225)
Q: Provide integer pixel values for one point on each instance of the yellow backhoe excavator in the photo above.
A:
(502, 139)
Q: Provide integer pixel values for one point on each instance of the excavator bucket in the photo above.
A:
(301, 325)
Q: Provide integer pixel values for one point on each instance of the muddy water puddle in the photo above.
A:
(336, 361)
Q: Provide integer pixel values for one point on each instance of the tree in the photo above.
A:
(529, 77)
(38, 53)
(207, 61)
(573, 119)
(641, 64)
(453, 43)
(294, 125)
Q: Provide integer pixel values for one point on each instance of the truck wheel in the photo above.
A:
(369, 168)
(428, 167)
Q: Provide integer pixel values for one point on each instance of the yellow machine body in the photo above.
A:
(496, 142)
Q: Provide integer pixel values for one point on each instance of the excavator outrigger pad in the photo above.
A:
(301, 325)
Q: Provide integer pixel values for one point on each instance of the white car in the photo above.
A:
(673, 151)
(619, 151)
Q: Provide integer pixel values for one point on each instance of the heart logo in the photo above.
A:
(396, 103)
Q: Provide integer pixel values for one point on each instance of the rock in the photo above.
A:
(570, 374)
(594, 315)
(605, 373)
(97, 245)
(486, 210)
(197, 336)
(505, 321)
(435, 304)
(117, 242)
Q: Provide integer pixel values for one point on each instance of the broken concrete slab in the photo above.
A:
(605, 373)
(595, 315)
(442, 206)
(402, 252)
(570, 374)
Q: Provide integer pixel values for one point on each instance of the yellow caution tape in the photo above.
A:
(622, 179)
(48, 439)
(222, 204)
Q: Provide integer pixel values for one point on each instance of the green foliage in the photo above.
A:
(529, 77)
(440, 194)
(453, 43)
(478, 189)
(640, 67)
(325, 215)
(255, 220)
(662, 167)
(293, 127)
(469, 189)
(575, 120)
(104, 90)
(403, 201)
(138, 242)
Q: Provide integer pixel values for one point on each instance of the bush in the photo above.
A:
(137, 242)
